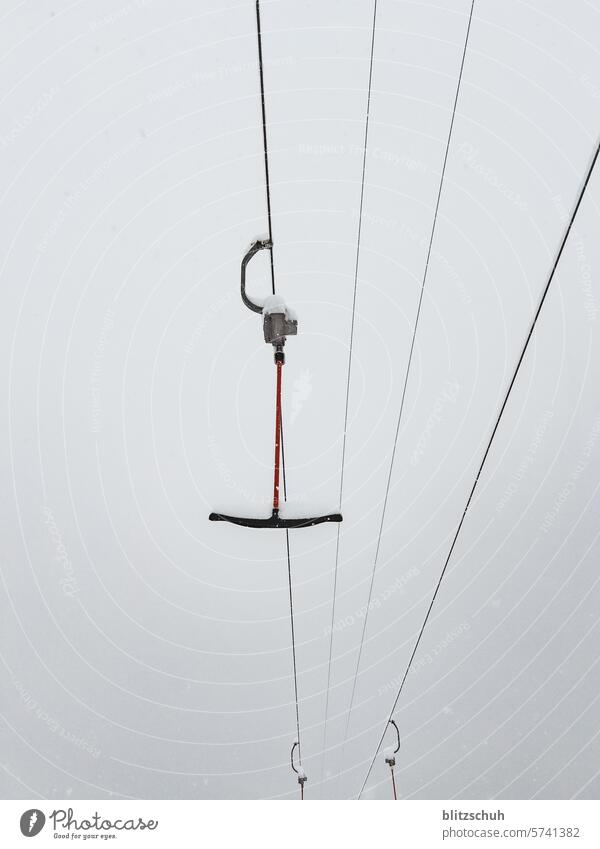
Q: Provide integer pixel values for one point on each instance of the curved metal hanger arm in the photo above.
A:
(255, 247)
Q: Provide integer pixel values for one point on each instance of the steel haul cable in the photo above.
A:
(487, 451)
(287, 543)
(408, 371)
(265, 148)
(356, 265)
(280, 426)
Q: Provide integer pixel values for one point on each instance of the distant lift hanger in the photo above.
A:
(279, 322)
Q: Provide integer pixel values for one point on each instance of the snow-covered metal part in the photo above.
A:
(390, 752)
(255, 247)
(279, 321)
(299, 770)
(277, 327)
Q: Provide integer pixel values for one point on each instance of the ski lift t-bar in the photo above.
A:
(278, 324)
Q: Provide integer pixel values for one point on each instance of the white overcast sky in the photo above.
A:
(145, 652)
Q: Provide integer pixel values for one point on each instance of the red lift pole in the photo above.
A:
(279, 360)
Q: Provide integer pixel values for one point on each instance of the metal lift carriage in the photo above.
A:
(278, 324)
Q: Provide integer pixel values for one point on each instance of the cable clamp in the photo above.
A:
(302, 777)
(390, 753)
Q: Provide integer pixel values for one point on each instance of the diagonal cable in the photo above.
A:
(407, 372)
(289, 565)
(487, 450)
(287, 533)
(265, 148)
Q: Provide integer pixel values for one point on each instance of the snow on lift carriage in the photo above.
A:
(279, 322)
